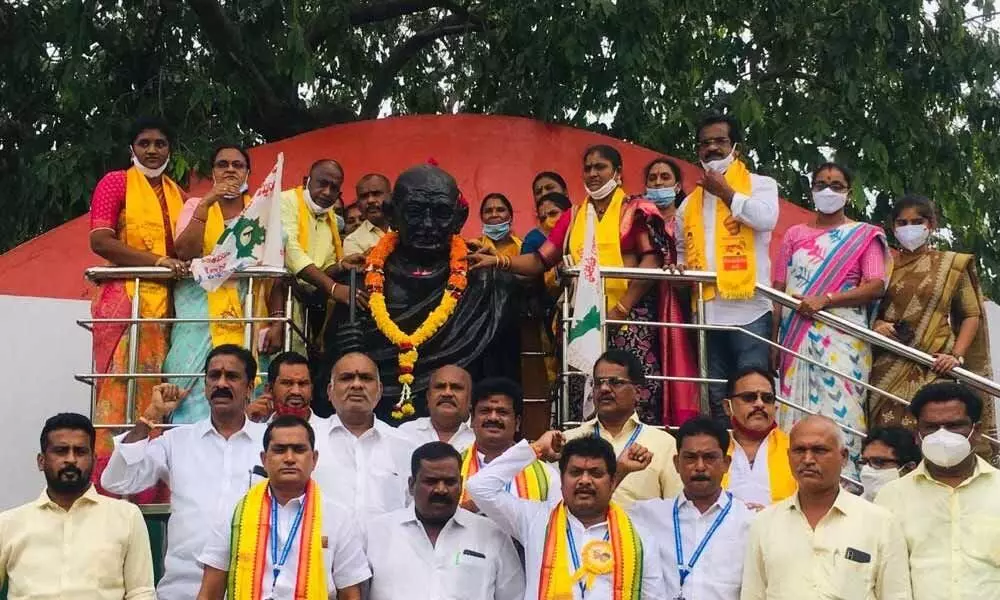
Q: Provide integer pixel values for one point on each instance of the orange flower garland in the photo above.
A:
(409, 343)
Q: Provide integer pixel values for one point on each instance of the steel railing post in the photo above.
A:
(133, 355)
(704, 404)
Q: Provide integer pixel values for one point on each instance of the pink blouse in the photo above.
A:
(107, 206)
(632, 242)
(869, 266)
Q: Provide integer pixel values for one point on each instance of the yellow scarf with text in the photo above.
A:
(144, 231)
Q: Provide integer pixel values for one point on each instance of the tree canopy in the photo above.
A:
(904, 93)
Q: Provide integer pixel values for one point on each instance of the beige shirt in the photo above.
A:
(659, 479)
(788, 560)
(322, 248)
(953, 534)
(362, 239)
(97, 550)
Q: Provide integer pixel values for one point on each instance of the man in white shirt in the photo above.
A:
(738, 252)
(208, 464)
(289, 391)
(448, 394)
(433, 546)
(367, 460)
(563, 538)
(293, 515)
(705, 527)
(373, 190)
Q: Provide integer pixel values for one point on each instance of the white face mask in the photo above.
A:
(605, 190)
(243, 187)
(146, 170)
(912, 237)
(721, 165)
(828, 201)
(945, 448)
(315, 208)
(873, 479)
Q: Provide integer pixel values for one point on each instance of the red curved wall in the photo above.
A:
(484, 153)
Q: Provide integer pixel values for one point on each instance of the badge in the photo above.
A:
(598, 559)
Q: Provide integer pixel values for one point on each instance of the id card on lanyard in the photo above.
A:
(685, 569)
(631, 439)
(278, 561)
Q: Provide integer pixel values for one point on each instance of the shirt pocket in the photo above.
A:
(982, 535)
(105, 564)
(468, 578)
(852, 580)
(389, 489)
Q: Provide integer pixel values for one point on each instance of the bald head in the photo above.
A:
(448, 397)
(817, 454)
(819, 425)
(326, 177)
(355, 388)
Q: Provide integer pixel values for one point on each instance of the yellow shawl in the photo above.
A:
(609, 245)
(331, 221)
(779, 471)
(735, 256)
(144, 231)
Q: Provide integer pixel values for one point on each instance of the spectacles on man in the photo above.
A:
(877, 462)
(751, 397)
(615, 383)
(835, 186)
(222, 163)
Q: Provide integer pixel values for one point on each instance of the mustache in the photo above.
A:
(585, 489)
(700, 477)
(758, 411)
(222, 393)
(492, 423)
(447, 400)
(441, 499)
(70, 469)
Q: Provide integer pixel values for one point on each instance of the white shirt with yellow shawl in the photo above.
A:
(421, 431)
(527, 521)
(759, 210)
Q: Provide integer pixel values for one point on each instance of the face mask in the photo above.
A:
(873, 479)
(605, 190)
(662, 197)
(243, 188)
(828, 201)
(146, 170)
(912, 237)
(945, 448)
(721, 165)
(315, 208)
(497, 231)
(340, 223)
(549, 223)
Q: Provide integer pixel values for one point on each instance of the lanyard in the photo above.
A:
(631, 440)
(681, 568)
(576, 557)
(276, 562)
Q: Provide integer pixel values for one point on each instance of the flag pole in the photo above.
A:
(353, 304)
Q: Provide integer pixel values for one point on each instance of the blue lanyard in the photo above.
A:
(631, 440)
(576, 557)
(683, 569)
(276, 562)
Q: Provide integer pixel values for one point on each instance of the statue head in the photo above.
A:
(425, 209)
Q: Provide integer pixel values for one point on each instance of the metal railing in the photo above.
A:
(135, 320)
(698, 279)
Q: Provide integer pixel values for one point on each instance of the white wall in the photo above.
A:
(44, 348)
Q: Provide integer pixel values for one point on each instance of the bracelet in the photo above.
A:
(147, 422)
(537, 450)
(278, 313)
(202, 221)
(333, 288)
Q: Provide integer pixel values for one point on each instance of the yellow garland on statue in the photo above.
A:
(409, 343)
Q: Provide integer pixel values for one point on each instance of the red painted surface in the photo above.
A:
(484, 153)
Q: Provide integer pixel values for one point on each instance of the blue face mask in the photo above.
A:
(340, 223)
(661, 197)
(497, 231)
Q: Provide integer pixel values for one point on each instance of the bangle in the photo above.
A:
(278, 313)
(829, 298)
(333, 288)
(622, 308)
(199, 219)
(147, 422)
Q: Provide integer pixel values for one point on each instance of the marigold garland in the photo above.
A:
(409, 343)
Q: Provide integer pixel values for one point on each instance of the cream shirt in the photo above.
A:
(321, 251)
(659, 479)
(953, 534)
(362, 239)
(97, 550)
(788, 560)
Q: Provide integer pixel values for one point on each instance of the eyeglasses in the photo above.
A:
(835, 186)
(222, 163)
(878, 462)
(615, 383)
(751, 397)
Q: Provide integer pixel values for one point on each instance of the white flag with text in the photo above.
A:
(585, 343)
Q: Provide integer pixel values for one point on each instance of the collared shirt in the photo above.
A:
(788, 560)
(750, 482)
(97, 550)
(362, 239)
(659, 479)
(321, 251)
(718, 572)
(953, 534)
(421, 431)
(207, 474)
(528, 522)
(759, 211)
(343, 550)
(367, 473)
(472, 559)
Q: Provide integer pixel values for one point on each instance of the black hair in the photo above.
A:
(287, 422)
(245, 356)
(848, 176)
(751, 370)
(240, 149)
(352, 206)
(498, 196)
(702, 425)
(735, 132)
(900, 439)
(943, 391)
(589, 446)
(624, 358)
(663, 160)
(499, 386)
(557, 198)
(556, 177)
(924, 205)
(321, 161)
(284, 358)
(368, 176)
(67, 420)
(433, 451)
(147, 123)
(606, 152)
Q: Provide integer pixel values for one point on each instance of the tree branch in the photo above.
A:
(390, 9)
(401, 54)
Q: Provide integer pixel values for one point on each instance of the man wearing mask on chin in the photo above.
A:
(437, 548)
(948, 505)
(373, 192)
(725, 226)
(497, 216)
(313, 249)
